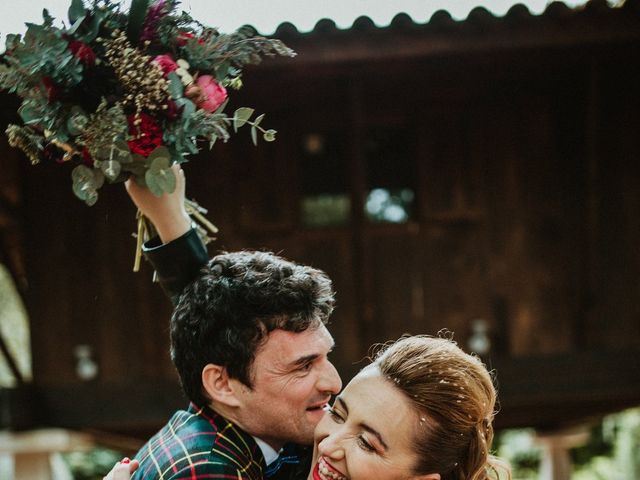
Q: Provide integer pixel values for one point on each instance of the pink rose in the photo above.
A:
(166, 64)
(213, 94)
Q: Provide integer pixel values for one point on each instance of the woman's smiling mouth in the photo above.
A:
(324, 471)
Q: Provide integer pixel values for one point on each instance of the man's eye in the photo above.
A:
(306, 367)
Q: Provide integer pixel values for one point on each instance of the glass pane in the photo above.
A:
(391, 206)
(325, 201)
(391, 175)
(14, 329)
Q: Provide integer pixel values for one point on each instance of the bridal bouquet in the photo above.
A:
(127, 94)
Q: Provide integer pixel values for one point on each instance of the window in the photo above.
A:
(325, 199)
(391, 175)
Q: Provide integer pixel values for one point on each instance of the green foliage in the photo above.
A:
(43, 53)
(159, 177)
(241, 116)
(612, 452)
(85, 87)
(86, 182)
(93, 464)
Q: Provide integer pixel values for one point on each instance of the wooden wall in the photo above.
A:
(525, 168)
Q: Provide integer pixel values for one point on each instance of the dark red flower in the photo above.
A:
(147, 134)
(172, 111)
(54, 92)
(82, 52)
(184, 37)
(86, 157)
(52, 153)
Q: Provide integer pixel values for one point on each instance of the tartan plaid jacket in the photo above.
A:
(200, 444)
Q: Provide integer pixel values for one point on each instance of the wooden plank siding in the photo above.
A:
(524, 156)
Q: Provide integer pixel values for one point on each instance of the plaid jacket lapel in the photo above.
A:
(234, 445)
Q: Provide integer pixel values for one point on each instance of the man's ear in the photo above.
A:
(430, 476)
(218, 385)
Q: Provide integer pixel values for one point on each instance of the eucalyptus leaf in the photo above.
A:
(254, 135)
(189, 108)
(121, 152)
(86, 183)
(159, 177)
(29, 114)
(159, 153)
(77, 122)
(175, 86)
(111, 169)
(240, 117)
(269, 135)
(137, 166)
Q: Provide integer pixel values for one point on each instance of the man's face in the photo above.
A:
(293, 381)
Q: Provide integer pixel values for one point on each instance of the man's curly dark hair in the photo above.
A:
(228, 311)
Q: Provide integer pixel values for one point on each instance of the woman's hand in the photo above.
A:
(122, 470)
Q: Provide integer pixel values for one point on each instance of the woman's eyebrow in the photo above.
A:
(366, 427)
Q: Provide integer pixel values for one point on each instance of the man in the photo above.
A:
(249, 341)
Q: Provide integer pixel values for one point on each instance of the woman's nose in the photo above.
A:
(331, 447)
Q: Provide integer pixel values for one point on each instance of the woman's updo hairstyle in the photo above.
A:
(454, 398)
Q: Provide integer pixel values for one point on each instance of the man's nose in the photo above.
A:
(329, 380)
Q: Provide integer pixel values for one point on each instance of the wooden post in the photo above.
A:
(556, 462)
(35, 453)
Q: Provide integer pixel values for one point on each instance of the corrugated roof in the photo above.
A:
(481, 16)
(596, 23)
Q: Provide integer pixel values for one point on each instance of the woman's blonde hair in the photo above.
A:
(454, 398)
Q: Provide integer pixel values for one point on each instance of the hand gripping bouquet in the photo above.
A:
(128, 94)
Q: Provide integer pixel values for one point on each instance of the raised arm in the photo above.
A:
(177, 254)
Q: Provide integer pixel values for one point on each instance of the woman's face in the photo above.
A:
(368, 434)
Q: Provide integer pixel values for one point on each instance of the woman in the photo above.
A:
(423, 410)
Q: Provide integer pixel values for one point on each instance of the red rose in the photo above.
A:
(82, 52)
(54, 92)
(184, 37)
(147, 134)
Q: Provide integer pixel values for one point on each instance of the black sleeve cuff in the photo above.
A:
(178, 262)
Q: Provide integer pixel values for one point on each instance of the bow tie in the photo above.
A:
(288, 455)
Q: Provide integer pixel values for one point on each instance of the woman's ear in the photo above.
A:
(217, 384)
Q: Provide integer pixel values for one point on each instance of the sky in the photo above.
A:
(266, 15)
